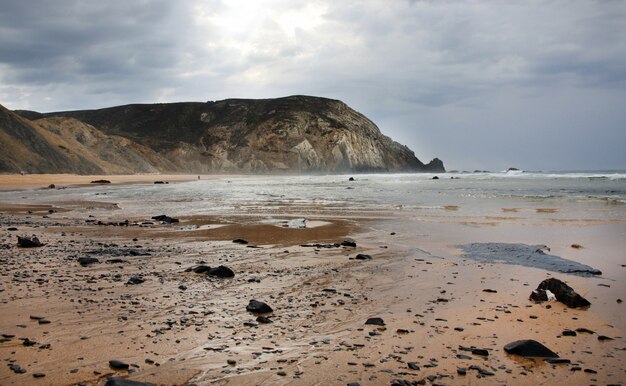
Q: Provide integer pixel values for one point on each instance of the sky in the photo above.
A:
(538, 85)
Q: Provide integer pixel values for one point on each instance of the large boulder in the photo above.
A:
(563, 293)
(529, 348)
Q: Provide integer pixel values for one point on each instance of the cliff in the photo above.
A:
(292, 135)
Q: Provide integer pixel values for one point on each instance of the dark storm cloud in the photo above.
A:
(478, 83)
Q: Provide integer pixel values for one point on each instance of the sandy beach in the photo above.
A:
(445, 317)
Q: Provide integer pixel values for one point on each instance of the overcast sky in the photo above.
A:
(479, 84)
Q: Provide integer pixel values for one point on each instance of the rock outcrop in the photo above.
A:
(285, 135)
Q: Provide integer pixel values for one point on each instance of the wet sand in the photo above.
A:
(180, 327)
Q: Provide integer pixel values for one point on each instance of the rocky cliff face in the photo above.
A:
(292, 135)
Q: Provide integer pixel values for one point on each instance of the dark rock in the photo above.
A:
(489, 290)
(199, 269)
(351, 179)
(52, 186)
(480, 351)
(529, 348)
(568, 333)
(221, 271)
(375, 321)
(604, 337)
(481, 370)
(101, 182)
(159, 182)
(12, 229)
(125, 382)
(182, 287)
(590, 371)
(231, 362)
(258, 307)
(43, 321)
(461, 371)
(118, 365)
(17, 369)
(362, 256)
(348, 243)
(39, 375)
(165, 219)
(435, 178)
(583, 330)
(240, 241)
(29, 242)
(556, 361)
(135, 280)
(413, 366)
(563, 293)
(264, 320)
(85, 261)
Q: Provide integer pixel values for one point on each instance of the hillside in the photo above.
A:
(66, 145)
(292, 135)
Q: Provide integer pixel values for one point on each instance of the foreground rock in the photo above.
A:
(118, 365)
(221, 271)
(29, 242)
(258, 307)
(375, 321)
(529, 348)
(563, 293)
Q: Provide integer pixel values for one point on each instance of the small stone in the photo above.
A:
(413, 366)
(529, 348)
(39, 375)
(231, 362)
(362, 256)
(568, 333)
(480, 351)
(375, 321)
(461, 371)
(556, 361)
(263, 319)
(118, 365)
(221, 271)
(85, 261)
(134, 280)
(604, 337)
(258, 307)
(281, 373)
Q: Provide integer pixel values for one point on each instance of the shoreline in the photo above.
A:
(10, 182)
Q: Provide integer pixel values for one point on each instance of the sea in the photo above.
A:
(594, 193)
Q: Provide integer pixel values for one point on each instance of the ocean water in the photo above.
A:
(590, 194)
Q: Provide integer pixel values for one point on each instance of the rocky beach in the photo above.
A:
(104, 282)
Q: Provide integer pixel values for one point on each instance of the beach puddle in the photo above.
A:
(533, 256)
